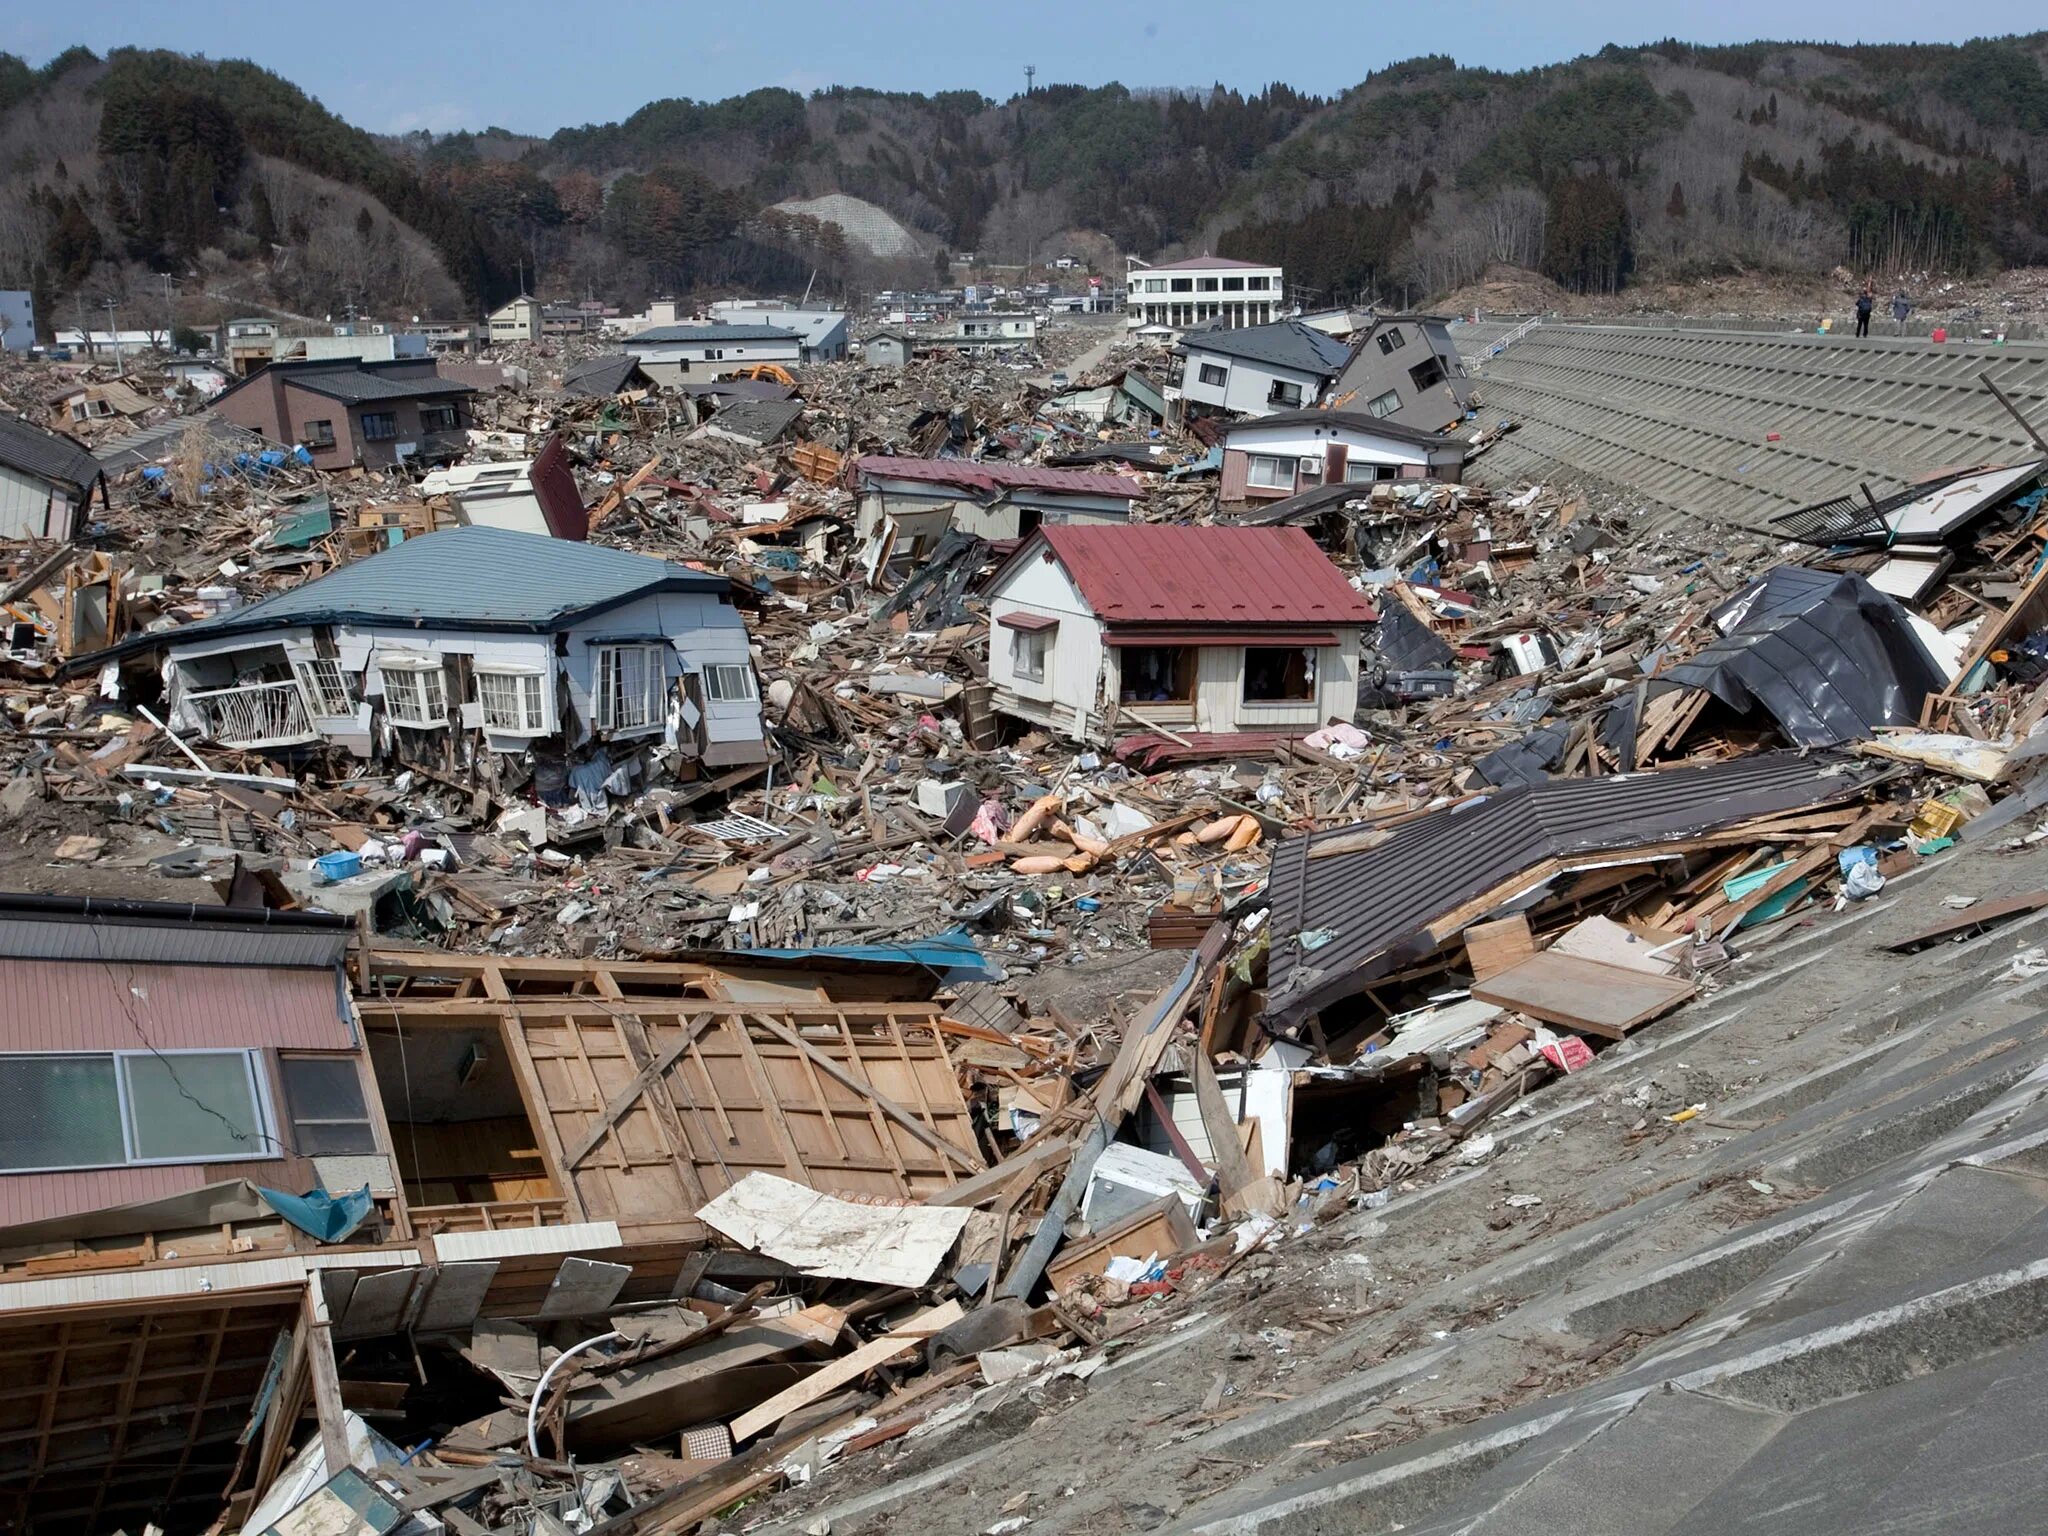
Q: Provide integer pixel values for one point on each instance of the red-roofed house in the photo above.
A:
(1216, 634)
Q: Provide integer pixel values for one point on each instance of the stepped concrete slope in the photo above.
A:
(1820, 1307)
(1681, 419)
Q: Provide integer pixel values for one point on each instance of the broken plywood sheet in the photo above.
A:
(1603, 939)
(1493, 947)
(832, 1238)
(1586, 995)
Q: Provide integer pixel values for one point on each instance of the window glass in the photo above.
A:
(628, 687)
(328, 1115)
(193, 1104)
(511, 701)
(326, 687)
(729, 683)
(1027, 653)
(379, 426)
(1279, 674)
(1214, 373)
(1385, 405)
(1269, 472)
(59, 1112)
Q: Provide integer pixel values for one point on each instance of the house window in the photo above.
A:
(106, 1109)
(1233, 285)
(1357, 470)
(1284, 393)
(324, 1096)
(319, 434)
(414, 692)
(1384, 405)
(628, 687)
(1181, 285)
(1157, 674)
(1258, 284)
(439, 418)
(1391, 340)
(1279, 674)
(1205, 285)
(326, 687)
(512, 701)
(729, 683)
(1271, 473)
(1428, 372)
(1214, 373)
(379, 426)
(1028, 649)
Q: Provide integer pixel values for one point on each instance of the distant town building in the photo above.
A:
(348, 412)
(822, 332)
(697, 354)
(1205, 288)
(518, 320)
(17, 320)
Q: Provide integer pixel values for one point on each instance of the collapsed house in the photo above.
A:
(479, 643)
(911, 503)
(47, 482)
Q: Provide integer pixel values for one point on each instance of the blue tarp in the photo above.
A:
(952, 955)
(328, 1217)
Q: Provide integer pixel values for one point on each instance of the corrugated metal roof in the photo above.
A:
(216, 936)
(45, 454)
(992, 476)
(120, 1005)
(1283, 344)
(1377, 902)
(465, 578)
(1164, 573)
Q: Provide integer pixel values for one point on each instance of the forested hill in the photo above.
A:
(1666, 159)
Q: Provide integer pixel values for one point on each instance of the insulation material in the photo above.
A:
(833, 1238)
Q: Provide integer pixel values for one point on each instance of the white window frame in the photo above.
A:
(1273, 465)
(1221, 370)
(325, 685)
(414, 710)
(729, 682)
(607, 683)
(268, 1146)
(530, 716)
(1380, 407)
(1030, 650)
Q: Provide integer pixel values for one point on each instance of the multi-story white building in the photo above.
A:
(1203, 288)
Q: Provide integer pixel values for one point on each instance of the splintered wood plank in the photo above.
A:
(1971, 920)
(1584, 995)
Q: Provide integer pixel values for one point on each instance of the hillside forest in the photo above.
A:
(1664, 160)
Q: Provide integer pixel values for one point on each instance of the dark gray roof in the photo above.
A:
(1283, 344)
(672, 333)
(464, 578)
(224, 439)
(756, 421)
(47, 455)
(1354, 421)
(601, 376)
(1378, 902)
(355, 382)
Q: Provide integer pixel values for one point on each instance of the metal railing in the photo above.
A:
(252, 715)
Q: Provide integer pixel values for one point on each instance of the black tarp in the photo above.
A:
(1826, 656)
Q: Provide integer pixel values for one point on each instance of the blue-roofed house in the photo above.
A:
(697, 354)
(475, 644)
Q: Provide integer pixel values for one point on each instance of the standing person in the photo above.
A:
(1866, 301)
(1901, 307)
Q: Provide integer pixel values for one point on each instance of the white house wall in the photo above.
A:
(27, 506)
(1307, 443)
(1072, 688)
(1247, 386)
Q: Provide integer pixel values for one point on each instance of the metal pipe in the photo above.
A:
(540, 1392)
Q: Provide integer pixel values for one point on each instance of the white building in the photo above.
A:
(1108, 631)
(17, 320)
(519, 320)
(698, 354)
(1270, 457)
(1203, 288)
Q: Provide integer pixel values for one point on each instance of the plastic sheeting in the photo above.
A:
(1826, 656)
(330, 1218)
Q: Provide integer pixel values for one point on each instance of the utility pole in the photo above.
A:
(114, 328)
(170, 314)
(1030, 75)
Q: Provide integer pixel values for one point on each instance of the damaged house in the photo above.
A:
(1271, 457)
(1201, 637)
(47, 482)
(345, 411)
(478, 641)
(922, 498)
(1405, 369)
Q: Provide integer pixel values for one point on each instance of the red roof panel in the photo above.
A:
(1160, 573)
(992, 475)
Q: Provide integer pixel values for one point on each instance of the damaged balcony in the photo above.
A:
(252, 715)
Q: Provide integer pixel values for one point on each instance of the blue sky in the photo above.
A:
(536, 67)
